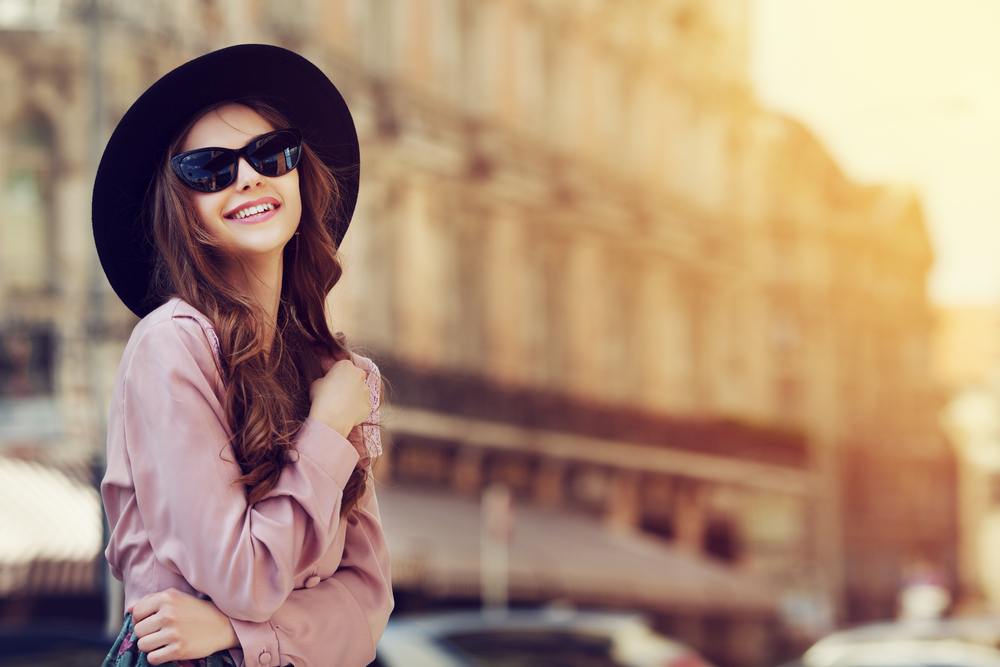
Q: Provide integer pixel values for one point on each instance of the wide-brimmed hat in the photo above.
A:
(283, 79)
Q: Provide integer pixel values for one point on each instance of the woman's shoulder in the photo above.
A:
(171, 309)
(175, 322)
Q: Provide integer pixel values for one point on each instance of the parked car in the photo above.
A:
(535, 638)
(958, 642)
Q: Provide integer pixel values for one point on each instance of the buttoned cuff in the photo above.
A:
(259, 643)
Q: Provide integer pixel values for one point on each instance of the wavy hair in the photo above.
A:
(267, 390)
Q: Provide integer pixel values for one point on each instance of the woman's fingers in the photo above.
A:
(163, 654)
(178, 626)
(156, 639)
(144, 608)
(151, 604)
(341, 399)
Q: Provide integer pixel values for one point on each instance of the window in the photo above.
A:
(380, 36)
(721, 539)
(28, 409)
(26, 362)
(790, 399)
(26, 238)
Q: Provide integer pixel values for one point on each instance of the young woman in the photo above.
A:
(243, 520)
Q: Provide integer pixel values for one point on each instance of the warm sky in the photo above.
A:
(905, 91)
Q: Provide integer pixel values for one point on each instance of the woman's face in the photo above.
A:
(259, 237)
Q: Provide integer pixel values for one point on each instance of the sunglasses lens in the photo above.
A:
(207, 171)
(276, 153)
(214, 169)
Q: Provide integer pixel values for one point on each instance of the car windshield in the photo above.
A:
(524, 648)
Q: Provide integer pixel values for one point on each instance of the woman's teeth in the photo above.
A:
(252, 210)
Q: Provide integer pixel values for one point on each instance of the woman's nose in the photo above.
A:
(246, 176)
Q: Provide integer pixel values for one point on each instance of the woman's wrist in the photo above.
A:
(337, 425)
(172, 625)
(231, 637)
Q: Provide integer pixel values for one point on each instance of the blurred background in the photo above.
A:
(704, 289)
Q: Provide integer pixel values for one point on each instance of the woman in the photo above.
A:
(238, 490)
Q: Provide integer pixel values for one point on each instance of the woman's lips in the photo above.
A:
(254, 211)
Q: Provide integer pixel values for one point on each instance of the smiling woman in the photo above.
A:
(242, 430)
(257, 214)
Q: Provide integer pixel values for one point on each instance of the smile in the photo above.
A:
(251, 210)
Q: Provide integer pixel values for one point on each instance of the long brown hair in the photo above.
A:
(267, 390)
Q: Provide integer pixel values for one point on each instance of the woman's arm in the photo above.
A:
(173, 625)
(173, 434)
(329, 623)
(339, 621)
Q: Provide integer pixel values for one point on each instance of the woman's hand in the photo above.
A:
(341, 399)
(172, 625)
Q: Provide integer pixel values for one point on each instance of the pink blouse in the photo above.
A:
(302, 585)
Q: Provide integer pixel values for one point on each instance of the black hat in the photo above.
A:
(286, 80)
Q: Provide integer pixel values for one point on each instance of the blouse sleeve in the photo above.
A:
(341, 619)
(176, 438)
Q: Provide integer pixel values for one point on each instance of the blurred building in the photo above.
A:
(967, 363)
(50, 424)
(591, 268)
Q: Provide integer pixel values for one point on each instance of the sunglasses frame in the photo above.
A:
(236, 154)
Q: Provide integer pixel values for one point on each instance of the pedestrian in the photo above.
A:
(243, 519)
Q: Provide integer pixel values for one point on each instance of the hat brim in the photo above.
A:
(286, 80)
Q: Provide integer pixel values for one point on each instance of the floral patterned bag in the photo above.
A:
(125, 653)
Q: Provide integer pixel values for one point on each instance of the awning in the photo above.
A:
(434, 540)
(558, 445)
(50, 530)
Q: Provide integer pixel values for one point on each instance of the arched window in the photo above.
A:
(26, 238)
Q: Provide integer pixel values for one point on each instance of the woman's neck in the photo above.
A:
(262, 281)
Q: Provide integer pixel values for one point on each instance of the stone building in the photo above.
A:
(591, 267)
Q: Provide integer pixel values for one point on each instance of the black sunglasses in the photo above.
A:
(214, 169)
